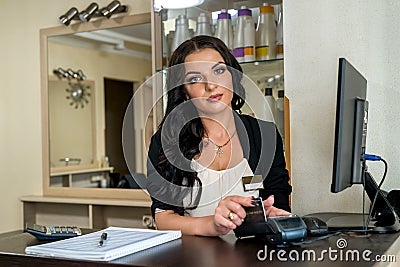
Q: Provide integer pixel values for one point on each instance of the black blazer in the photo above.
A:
(262, 147)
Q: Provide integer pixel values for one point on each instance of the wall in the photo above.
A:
(20, 107)
(317, 33)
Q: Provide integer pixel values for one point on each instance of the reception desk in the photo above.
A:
(341, 250)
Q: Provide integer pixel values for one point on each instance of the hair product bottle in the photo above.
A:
(266, 34)
(279, 35)
(241, 37)
(170, 38)
(224, 30)
(165, 46)
(270, 103)
(249, 40)
(279, 120)
(181, 32)
(203, 26)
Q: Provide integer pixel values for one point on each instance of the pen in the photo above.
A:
(103, 237)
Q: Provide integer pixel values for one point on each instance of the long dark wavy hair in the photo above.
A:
(192, 130)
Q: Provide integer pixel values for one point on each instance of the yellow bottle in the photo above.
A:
(266, 34)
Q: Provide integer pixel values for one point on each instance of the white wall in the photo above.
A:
(316, 34)
(20, 107)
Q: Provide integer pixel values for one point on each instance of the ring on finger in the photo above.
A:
(231, 215)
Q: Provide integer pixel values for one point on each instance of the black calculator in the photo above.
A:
(48, 232)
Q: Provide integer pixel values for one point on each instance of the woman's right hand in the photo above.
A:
(230, 213)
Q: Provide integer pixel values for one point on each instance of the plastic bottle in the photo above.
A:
(224, 29)
(239, 41)
(165, 47)
(103, 183)
(279, 36)
(279, 120)
(106, 162)
(181, 32)
(170, 38)
(270, 103)
(203, 26)
(249, 40)
(266, 34)
(191, 33)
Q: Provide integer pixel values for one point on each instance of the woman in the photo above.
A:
(203, 147)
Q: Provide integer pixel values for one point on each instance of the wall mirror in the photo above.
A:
(89, 74)
(72, 111)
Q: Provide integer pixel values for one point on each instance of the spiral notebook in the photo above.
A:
(119, 243)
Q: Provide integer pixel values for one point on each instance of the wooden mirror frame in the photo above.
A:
(109, 193)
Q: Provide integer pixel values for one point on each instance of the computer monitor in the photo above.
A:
(349, 137)
(349, 164)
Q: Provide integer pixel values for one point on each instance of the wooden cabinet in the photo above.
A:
(97, 177)
(86, 213)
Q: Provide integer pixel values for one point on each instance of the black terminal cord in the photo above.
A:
(377, 193)
(365, 230)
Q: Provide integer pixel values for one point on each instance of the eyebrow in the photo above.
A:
(218, 63)
(198, 72)
(192, 72)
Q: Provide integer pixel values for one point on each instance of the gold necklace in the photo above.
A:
(218, 148)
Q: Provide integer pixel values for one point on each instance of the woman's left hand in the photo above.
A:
(270, 210)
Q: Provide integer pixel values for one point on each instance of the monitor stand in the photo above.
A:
(383, 220)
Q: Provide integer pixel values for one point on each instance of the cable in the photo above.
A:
(375, 158)
(339, 232)
(371, 157)
(364, 167)
(306, 242)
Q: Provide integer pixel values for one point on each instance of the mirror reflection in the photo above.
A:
(71, 118)
(86, 115)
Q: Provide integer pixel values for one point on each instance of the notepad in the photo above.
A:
(120, 242)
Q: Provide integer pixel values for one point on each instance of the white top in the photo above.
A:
(216, 185)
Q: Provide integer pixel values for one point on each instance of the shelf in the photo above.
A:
(85, 201)
(84, 212)
(59, 173)
(86, 178)
(254, 66)
(271, 64)
(260, 71)
(212, 5)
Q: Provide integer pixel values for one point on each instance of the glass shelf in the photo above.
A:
(262, 70)
(260, 74)
(167, 18)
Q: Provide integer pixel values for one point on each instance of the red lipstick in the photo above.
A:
(215, 97)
